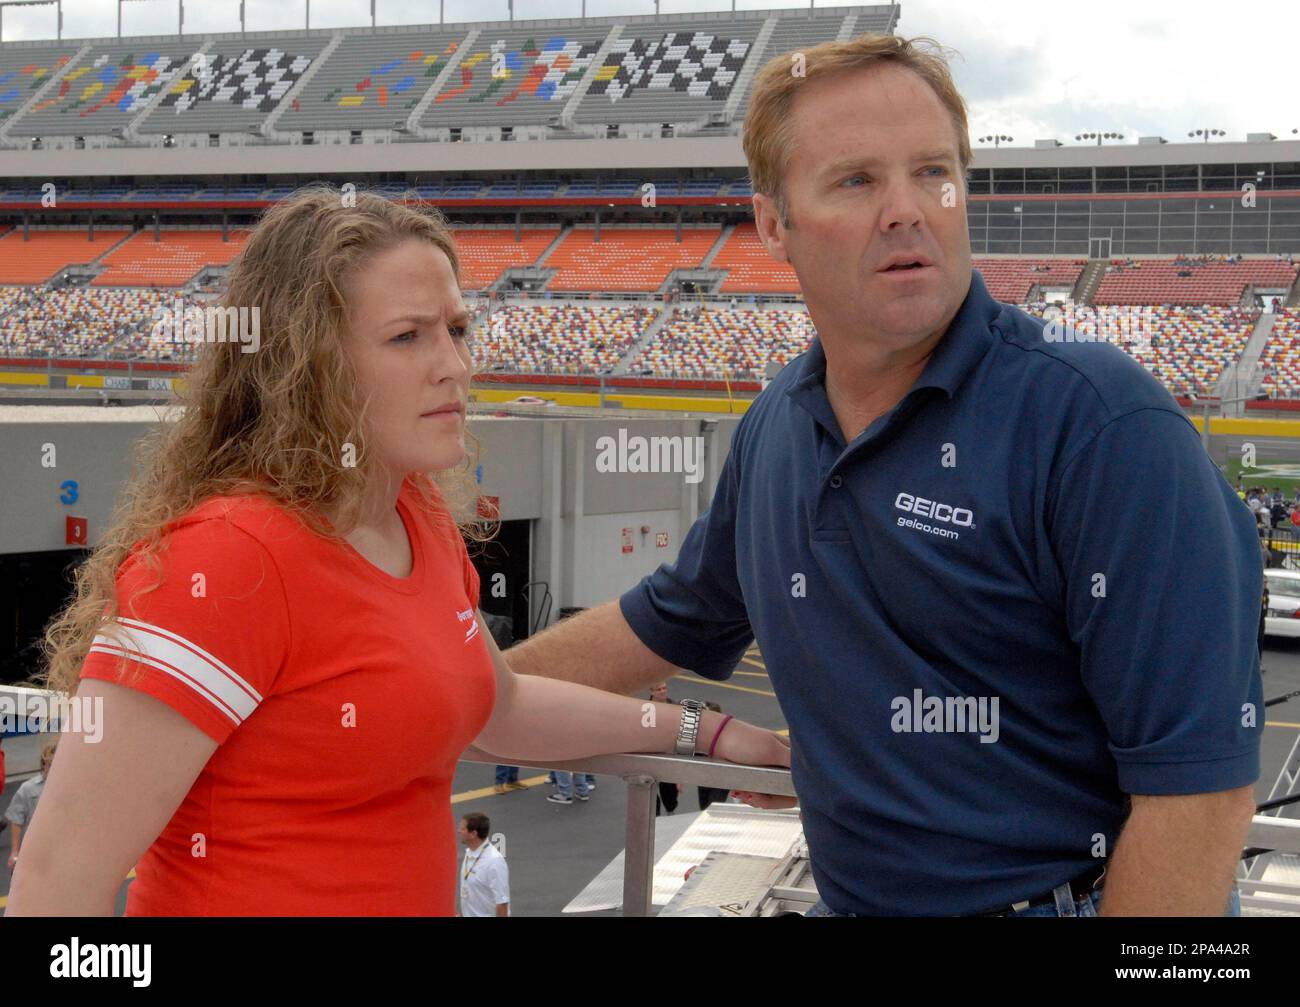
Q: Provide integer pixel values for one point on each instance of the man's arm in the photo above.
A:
(1177, 855)
(595, 648)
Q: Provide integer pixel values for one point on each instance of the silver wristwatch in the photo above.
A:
(689, 730)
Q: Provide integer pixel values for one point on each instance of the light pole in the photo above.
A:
(1209, 401)
(1205, 134)
(997, 139)
(1099, 137)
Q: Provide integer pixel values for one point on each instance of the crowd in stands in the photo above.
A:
(1280, 360)
(557, 338)
(705, 342)
(88, 323)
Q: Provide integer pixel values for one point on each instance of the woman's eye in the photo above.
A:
(405, 337)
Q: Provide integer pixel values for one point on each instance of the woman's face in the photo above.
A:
(409, 343)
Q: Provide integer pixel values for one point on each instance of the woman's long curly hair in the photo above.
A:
(275, 422)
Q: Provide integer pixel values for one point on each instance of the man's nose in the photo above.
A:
(902, 205)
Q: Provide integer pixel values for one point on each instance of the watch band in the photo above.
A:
(689, 729)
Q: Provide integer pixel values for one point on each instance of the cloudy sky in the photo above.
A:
(1028, 68)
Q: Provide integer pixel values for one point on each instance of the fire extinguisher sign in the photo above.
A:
(627, 540)
(661, 540)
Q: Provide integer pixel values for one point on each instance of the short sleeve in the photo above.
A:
(210, 639)
(19, 812)
(500, 881)
(693, 613)
(1163, 582)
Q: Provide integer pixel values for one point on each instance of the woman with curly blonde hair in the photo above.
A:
(281, 623)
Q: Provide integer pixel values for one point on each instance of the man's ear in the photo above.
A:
(771, 231)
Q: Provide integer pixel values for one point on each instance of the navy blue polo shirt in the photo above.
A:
(1020, 595)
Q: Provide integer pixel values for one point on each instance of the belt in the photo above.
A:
(1080, 886)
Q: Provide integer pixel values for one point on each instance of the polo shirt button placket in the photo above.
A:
(837, 481)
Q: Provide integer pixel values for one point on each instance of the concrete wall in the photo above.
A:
(542, 469)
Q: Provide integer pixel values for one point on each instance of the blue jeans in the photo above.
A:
(507, 774)
(567, 782)
(1065, 905)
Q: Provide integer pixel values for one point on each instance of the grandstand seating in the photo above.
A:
(485, 255)
(234, 86)
(625, 259)
(23, 71)
(48, 252)
(169, 262)
(88, 322)
(1011, 280)
(515, 75)
(1168, 281)
(559, 338)
(656, 74)
(710, 342)
(799, 31)
(1281, 357)
(107, 87)
(372, 81)
(1185, 347)
(749, 268)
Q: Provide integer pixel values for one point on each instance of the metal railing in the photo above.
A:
(642, 773)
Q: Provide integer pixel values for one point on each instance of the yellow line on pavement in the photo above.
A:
(754, 674)
(756, 663)
(1279, 723)
(474, 795)
(724, 685)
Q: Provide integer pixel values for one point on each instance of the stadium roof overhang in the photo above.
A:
(710, 152)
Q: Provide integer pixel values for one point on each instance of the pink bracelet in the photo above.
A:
(725, 721)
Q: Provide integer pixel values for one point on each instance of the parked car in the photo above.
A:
(1283, 615)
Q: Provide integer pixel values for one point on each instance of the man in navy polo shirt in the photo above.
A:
(1006, 601)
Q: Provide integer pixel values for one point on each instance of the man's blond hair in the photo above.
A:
(769, 128)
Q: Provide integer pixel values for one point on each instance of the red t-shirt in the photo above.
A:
(341, 699)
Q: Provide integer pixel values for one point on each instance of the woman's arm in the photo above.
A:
(105, 803)
(542, 720)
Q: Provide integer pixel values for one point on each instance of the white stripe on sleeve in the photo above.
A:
(186, 662)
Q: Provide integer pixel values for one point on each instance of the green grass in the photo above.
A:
(1234, 470)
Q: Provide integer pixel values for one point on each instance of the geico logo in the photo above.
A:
(933, 509)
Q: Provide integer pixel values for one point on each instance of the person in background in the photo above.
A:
(507, 778)
(23, 806)
(484, 876)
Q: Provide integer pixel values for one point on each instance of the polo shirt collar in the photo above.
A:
(963, 346)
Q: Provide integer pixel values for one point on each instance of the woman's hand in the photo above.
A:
(748, 745)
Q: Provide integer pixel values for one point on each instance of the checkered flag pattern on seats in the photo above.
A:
(694, 63)
(255, 80)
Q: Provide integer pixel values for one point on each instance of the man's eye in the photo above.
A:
(459, 331)
(854, 178)
(939, 168)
